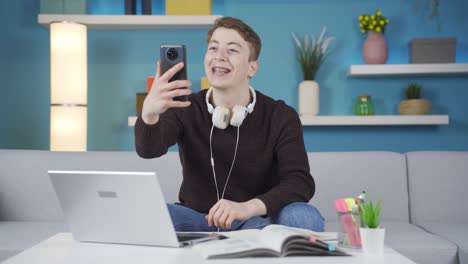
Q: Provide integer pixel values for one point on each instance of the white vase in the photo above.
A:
(372, 240)
(309, 98)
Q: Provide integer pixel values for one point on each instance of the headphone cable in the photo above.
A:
(232, 164)
(212, 164)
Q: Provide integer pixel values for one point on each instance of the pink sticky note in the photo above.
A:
(341, 206)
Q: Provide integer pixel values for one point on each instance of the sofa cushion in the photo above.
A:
(456, 233)
(437, 186)
(18, 236)
(24, 190)
(419, 245)
(414, 243)
(345, 174)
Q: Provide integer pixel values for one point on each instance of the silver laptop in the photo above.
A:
(118, 207)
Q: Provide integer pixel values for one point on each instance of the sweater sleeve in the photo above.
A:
(296, 184)
(152, 141)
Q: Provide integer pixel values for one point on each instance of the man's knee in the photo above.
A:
(186, 219)
(301, 215)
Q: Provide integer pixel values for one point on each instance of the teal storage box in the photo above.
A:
(64, 7)
(51, 7)
(75, 6)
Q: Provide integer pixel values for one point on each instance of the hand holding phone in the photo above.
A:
(170, 55)
(163, 91)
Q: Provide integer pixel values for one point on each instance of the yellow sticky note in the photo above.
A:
(204, 84)
(188, 7)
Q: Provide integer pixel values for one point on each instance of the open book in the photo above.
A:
(271, 241)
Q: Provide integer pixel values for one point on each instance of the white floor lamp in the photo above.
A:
(69, 85)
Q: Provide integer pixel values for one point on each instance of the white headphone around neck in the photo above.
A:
(223, 116)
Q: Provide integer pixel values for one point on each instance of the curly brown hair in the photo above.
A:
(247, 33)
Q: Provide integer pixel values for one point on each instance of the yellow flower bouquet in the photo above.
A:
(376, 23)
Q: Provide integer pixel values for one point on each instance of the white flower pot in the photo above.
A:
(309, 98)
(372, 240)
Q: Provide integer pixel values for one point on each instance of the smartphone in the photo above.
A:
(170, 55)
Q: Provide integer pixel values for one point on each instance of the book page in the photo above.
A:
(231, 247)
(247, 234)
(273, 236)
(293, 231)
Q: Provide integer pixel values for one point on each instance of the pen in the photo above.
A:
(362, 196)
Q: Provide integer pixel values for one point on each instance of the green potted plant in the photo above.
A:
(310, 55)
(414, 105)
(432, 6)
(372, 235)
(375, 49)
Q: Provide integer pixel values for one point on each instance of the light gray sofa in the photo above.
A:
(439, 181)
(422, 193)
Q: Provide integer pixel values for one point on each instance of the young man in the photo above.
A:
(243, 155)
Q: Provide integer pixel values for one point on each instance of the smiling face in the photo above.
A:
(227, 59)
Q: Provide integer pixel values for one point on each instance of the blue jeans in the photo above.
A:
(300, 215)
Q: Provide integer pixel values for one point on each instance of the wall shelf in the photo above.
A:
(376, 120)
(131, 22)
(381, 70)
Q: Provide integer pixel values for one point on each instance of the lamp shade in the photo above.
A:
(68, 126)
(68, 80)
(68, 63)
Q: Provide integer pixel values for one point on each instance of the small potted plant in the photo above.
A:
(414, 105)
(372, 235)
(310, 56)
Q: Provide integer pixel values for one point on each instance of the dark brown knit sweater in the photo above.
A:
(271, 162)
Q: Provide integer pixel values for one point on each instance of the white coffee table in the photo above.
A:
(61, 248)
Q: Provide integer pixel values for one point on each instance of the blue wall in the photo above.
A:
(119, 62)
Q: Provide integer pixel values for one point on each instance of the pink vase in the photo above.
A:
(375, 50)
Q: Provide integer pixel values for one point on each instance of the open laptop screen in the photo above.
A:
(117, 207)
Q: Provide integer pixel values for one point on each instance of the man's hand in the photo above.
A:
(160, 98)
(224, 212)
